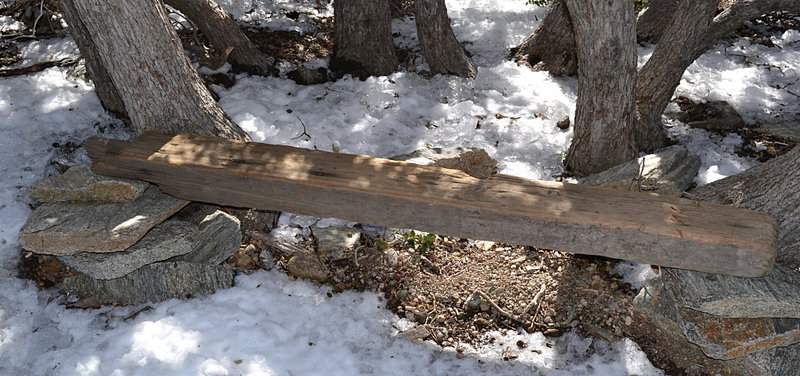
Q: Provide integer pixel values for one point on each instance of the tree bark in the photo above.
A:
(224, 32)
(694, 31)
(142, 54)
(103, 85)
(552, 46)
(362, 36)
(606, 45)
(653, 20)
(439, 44)
(662, 73)
(772, 188)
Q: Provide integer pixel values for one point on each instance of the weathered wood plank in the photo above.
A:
(641, 227)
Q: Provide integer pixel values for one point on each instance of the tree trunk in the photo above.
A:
(552, 46)
(662, 73)
(439, 44)
(223, 32)
(694, 31)
(606, 45)
(103, 85)
(772, 188)
(362, 36)
(142, 54)
(653, 20)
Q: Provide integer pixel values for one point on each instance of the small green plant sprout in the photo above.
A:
(422, 243)
(381, 244)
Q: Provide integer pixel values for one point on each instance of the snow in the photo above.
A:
(271, 325)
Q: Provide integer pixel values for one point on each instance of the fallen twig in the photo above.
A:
(38, 67)
(537, 299)
(497, 308)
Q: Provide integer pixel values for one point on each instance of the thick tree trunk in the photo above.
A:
(606, 45)
(439, 44)
(552, 46)
(772, 188)
(362, 35)
(653, 20)
(223, 32)
(142, 54)
(103, 85)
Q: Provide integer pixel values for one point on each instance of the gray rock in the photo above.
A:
(473, 161)
(209, 236)
(774, 295)
(417, 334)
(306, 265)
(788, 130)
(431, 155)
(67, 229)
(218, 238)
(255, 220)
(670, 171)
(717, 116)
(779, 361)
(153, 283)
(334, 242)
(79, 184)
(169, 239)
(308, 76)
(718, 337)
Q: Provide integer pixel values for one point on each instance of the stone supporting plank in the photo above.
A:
(79, 184)
(209, 236)
(641, 227)
(774, 295)
(67, 229)
(668, 172)
(169, 239)
(153, 283)
(718, 337)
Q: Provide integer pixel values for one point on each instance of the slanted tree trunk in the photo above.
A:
(697, 26)
(362, 38)
(662, 73)
(552, 46)
(772, 188)
(653, 20)
(606, 45)
(223, 32)
(439, 44)
(103, 85)
(142, 55)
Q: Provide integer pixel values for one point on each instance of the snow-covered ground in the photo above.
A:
(270, 325)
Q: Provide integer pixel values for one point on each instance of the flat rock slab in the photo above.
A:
(154, 283)
(728, 338)
(218, 238)
(334, 242)
(667, 172)
(788, 130)
(774, 295)
(718, 337)
(79, 184)
(718, 116)
(67, 229)
(169, 239)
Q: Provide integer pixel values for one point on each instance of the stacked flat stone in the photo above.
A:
(126, 242)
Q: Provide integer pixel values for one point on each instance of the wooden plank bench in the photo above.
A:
(636, 226)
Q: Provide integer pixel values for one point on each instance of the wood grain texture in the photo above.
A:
(635, 226)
